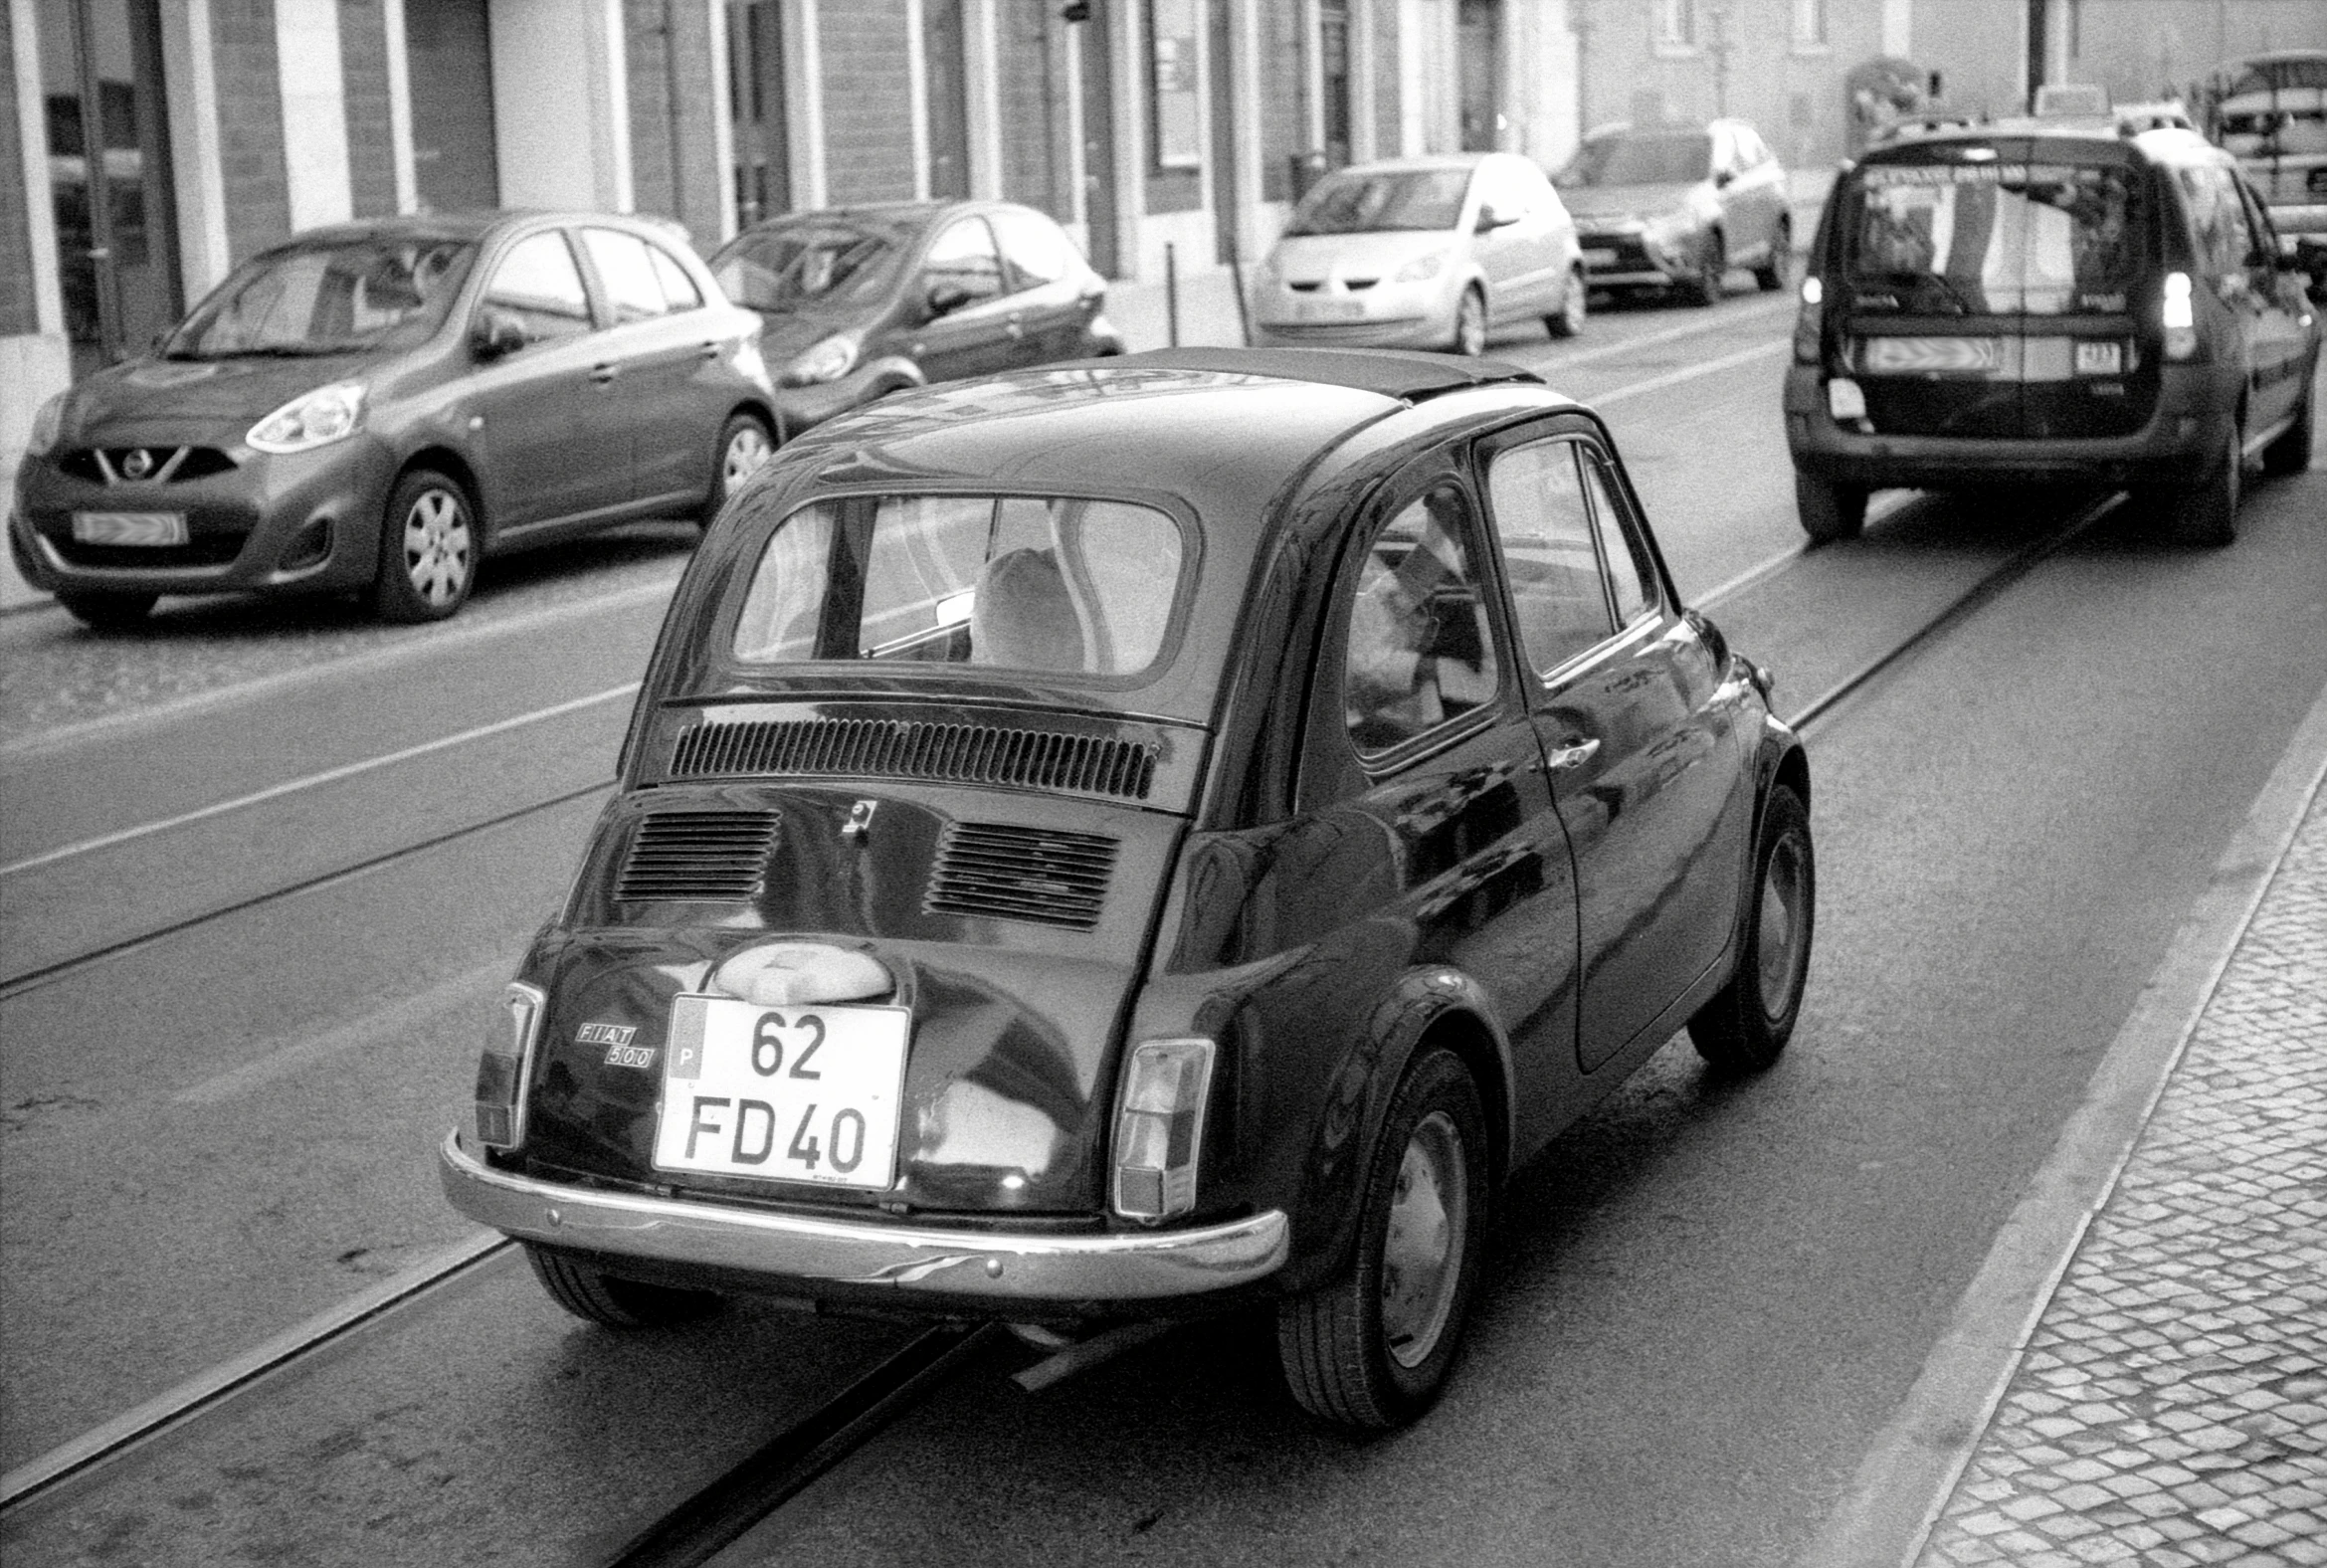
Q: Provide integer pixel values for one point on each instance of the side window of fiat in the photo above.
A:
(1420, 648)
(1632, 575)
(1536, 496)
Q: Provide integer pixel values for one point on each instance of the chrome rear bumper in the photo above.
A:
(1136, 1266)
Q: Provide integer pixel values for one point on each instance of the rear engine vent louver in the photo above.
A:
(1022, 873)
(700, 855)
(911, 749)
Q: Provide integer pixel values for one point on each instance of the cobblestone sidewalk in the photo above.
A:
(2172, 1406)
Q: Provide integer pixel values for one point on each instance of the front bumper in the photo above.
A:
(1391, 316)
(1629, 259)
(854, 1256)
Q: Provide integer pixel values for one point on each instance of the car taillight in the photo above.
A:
(2179, 317)
(504, 1067)
(1810, 325)
(1159, 1133)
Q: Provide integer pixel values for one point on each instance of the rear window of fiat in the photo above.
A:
(1058, 585)
(1995, 237)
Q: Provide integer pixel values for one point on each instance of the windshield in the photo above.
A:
(1996, 239)
(825, 262)
(1067, 586)
(1372, 203)
(1667, 158)
(328, 296)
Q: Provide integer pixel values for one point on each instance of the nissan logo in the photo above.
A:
(137, 464)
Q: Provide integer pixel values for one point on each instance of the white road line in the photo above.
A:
(1710, 323)
(313, 780)
(397, 1018)
(1688, 373)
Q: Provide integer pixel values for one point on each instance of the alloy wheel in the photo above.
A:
(747, 447)
(437, 546)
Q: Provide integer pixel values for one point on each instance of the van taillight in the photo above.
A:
(1810, 325)
(2179, 317)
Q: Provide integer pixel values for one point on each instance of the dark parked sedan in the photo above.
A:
(862, 301)
(376, 405)
(1143, 838)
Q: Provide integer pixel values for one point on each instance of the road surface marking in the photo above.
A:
(1688, 373)
(1667, 334)
(314, 780)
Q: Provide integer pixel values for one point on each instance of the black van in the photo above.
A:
(2024, 303)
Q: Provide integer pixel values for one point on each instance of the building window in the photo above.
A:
(1676, 24)
(1810, 24)
(1175, 112)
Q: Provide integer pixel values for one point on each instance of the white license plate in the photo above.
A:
(1929, 353)
(784, 1094)
(1597, 257)
(130, 527)
(2100, 359)
(1329, 309)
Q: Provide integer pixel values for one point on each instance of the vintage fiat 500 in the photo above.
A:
(1140, 837)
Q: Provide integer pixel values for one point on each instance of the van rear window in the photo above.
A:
(1993, 238)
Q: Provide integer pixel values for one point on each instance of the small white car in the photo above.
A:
(1422, 252)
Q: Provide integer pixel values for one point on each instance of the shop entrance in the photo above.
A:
(110, 175)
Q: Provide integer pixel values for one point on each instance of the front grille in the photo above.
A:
(1631, 255)
(916, 749)
(203, 549)
(713, 856)
(144, 464)
(1022, 873)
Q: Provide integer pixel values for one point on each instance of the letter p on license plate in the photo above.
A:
(783, 1094)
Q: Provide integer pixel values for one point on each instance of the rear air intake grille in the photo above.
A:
(1022, 873)
(700, 855)
(912, 749)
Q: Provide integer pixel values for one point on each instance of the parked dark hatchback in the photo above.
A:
(1140, 837)
(862, 301)
(2027, 304)
(374, 406)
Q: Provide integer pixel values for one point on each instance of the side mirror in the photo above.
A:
(1722, 177)
(498, 334)
(1492, 217)
(944, 299)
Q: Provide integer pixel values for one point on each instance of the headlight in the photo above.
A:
(504, 1065)
(827, 361)
(1422, 266)
(747, 361)
(1670, 228)
(315, 418)
(46, 425)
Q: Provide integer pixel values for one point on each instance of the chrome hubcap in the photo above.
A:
(1422, 1257)
(747, 450)
(1573, 306)
(437, 546)
(1780, 928)
(1471, 330)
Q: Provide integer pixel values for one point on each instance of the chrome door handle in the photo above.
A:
(1572, 755)
(603, 373)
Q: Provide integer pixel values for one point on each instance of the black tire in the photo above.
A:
(1469, 324)
(1748, 1021)
(2207, 514)
(1711, 274)
(1372, 1348)
(1773, 274)
(744, 444)
(595, 1296)
(428, 549)
(1568, 319)
(108, 612)
(1829, 511)
(2291, 452)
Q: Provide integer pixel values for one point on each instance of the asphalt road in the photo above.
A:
(218, 1099)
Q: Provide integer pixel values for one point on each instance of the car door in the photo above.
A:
(1046, 301)
(1452, 801)
(545, 423)
(966, 328)
(1513, 242)
(1760, 184)
(657, 353)
(2227, 247)
(2283, 336)
(1643, 743)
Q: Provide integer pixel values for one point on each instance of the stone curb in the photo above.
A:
(1915, 1461)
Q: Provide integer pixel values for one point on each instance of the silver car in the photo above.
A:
(1677, 206)
(1422, 252)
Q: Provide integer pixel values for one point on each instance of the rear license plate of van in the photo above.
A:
(130, 527)
(1908, 354)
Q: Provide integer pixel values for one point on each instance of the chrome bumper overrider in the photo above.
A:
(1145, 1266)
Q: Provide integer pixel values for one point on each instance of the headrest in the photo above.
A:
(1022, 616)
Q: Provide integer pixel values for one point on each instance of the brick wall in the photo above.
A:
(868, 88)
(364, 67)
(250, 126)
(19, 310)
(1031, 96)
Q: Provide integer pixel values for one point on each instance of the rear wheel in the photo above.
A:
(1712, 269)
(2291, 452)
(1771, 274)
(595, 1296)
(428, 549)
(2207, 514)
(1829, 511)
(108, 612)
(1748, 1022)
(1471, 324)
(1373, 1347)
(1568, 319)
